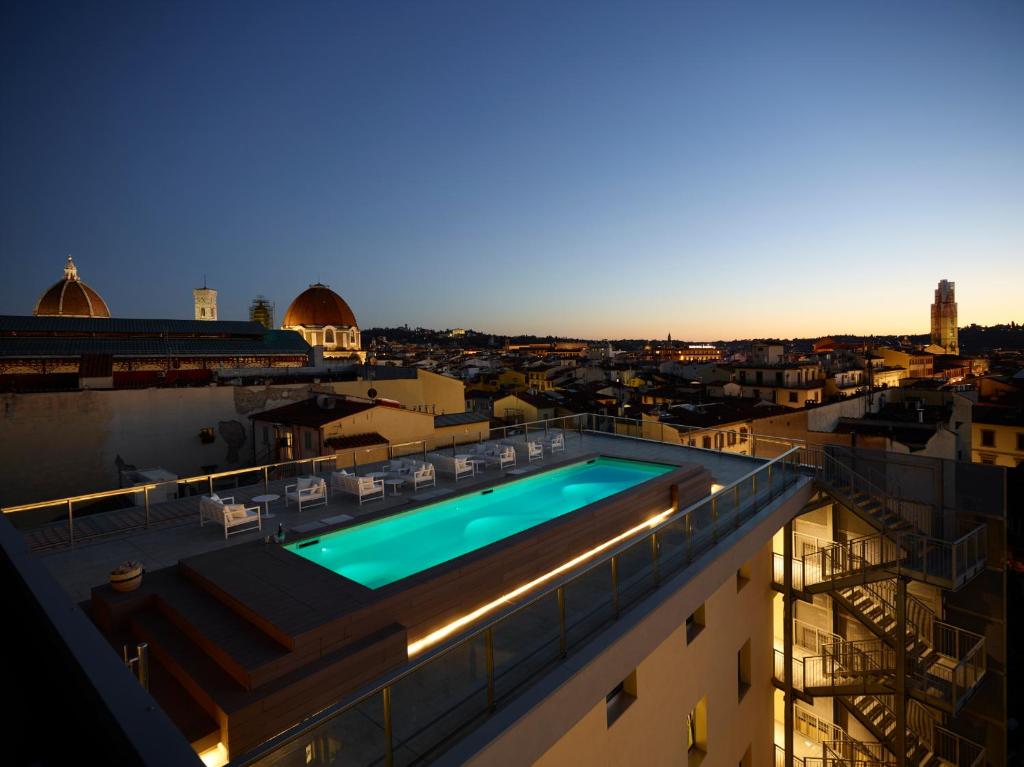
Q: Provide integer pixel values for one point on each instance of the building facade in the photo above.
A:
(944, 328)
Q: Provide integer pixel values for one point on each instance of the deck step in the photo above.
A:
(251, 657)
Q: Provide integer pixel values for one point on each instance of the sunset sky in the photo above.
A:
(713, 170)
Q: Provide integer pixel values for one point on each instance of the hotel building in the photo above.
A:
(799, 605)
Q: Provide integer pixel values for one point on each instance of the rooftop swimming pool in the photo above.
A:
(377, 553)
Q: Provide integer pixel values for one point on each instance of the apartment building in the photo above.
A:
(728, 609)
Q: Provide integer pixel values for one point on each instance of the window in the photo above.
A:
(706, 442)
(1020, 441)
(697, 733)
(695, 624)
(266, 435)
(742, 577)
(792, 396)
(328, 336)
(988, 438)
(620, 698)
(732, 438)
(202, 312)
(743, 435)
(307, 440)
(743, 669)
(778, 377)
(988, 459)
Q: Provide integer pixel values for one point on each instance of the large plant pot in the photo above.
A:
(126, 578)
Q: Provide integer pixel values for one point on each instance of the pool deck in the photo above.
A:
(261, 637)
(175, 534)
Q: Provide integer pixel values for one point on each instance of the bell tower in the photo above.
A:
(205, 302)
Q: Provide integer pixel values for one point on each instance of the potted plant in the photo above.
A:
(127, 576)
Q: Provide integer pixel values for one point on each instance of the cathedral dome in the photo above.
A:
(71, 298)
(318, 306)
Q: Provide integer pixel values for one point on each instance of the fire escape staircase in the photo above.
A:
(944, 664)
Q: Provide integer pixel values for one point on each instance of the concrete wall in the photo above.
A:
(564, 721)
(434, 393)
(67, 443)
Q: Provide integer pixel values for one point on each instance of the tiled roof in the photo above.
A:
(309, 413)
(367, 439)
(272, 343)
(458, 419)
(18, 325)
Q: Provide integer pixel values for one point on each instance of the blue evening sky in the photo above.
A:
(709, 169)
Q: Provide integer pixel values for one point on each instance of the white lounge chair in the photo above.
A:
(555, 442)
(235, 517)
(364, 488)
(424, 476)
(501, 454)
(307, 491)
(536, 451)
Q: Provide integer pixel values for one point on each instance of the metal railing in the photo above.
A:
(779, 670)
(462, 682)
(813, 727)
(812, 638)
(851, 666)
(949, 564)
(850, 481)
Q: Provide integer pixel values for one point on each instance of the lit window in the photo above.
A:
(697, 733)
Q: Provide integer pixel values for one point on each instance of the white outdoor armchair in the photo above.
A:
(501, 454)
(235, 517)
(424, 476)
(555, 442)
(536, 451)
(307, 491)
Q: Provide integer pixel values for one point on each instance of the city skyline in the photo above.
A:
(715, 172)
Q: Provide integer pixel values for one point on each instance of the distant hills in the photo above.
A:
(974, 339)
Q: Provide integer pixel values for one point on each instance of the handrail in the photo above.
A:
(701, 533)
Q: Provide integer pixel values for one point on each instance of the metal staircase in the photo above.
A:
(942, 665)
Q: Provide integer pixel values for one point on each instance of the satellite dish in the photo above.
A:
(371, 393)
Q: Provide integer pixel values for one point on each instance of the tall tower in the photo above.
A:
(944, 331)
(206, 302)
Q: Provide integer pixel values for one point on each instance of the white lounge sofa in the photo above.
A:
(235, 517)
(364, 488)
(460, 468)
(535, 449)
(307, 491)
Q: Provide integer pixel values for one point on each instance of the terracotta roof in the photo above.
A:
(70, 297)
(309, 413)
(318, 305)
(367, 439)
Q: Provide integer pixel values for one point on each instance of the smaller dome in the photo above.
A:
(318, 306)
(71, 298)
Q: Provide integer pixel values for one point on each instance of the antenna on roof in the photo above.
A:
(204, 282)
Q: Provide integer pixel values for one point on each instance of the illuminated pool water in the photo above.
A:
(381, 552)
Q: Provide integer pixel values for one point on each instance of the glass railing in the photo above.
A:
(65, 521)
(419, 711)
